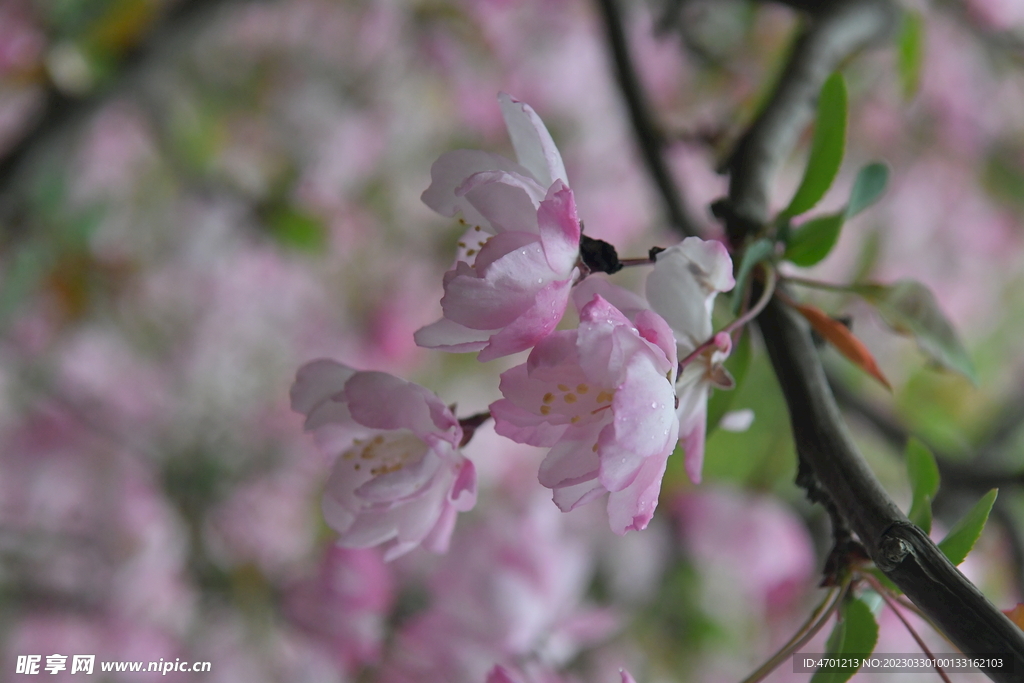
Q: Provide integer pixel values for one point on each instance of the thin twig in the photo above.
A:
(739, 322)
(648, 137)
(806, 631)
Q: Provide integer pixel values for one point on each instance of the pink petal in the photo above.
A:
(500, 674)
(463, 493)
(316, 382)
(645, 423)
(524, 427)
(654, 329)
(571, 497)
(626, 677)
(509, 201)
(559, 229)
(328, 412)
(451, 170)
(692, 437)
(621, 298)
(498, 246)
(533, 144)
(683, 285)
(632, 508)
(533, 325)
(383, 401)
(572, 460)
(607, 341)
(505, 293)
(397, 487)
(451, 336)
(439, 538)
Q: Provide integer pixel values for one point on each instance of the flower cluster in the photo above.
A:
(610, 399)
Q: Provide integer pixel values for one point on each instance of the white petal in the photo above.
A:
(533, 144)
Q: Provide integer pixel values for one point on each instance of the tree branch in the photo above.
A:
(61, 112)
(648, 136)
(901, 550)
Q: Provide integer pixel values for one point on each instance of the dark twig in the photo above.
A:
(60, 112)
(901, 550)
(648, 136)
(957, 477)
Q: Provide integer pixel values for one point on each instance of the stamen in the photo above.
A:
(570, 398)
(548, 397)
(582, 388)
(545, 410)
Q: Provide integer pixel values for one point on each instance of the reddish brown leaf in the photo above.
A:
(840, 337)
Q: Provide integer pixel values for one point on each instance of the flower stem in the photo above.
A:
(626, 262)
(766, 295)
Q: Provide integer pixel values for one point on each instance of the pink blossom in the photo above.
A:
(399, 477)
(682, 288)
(752, 547)
(525, 674)
(517, 262)
(511, 589)
(601, 397)
(344, 605)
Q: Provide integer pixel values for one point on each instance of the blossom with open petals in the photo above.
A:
(517, 261)
(602, 398)
(682, 287)
(399, 478)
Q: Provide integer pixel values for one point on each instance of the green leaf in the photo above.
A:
(911, 52)
(924, 483)
(854, 635)
(297, 230)
(964, 534)
(754, 253)
(812, 241)
(826, 147)
(737, 364)
(867, 188)
(908, 307)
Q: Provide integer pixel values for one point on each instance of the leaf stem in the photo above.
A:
(818, 284)
(806, 631)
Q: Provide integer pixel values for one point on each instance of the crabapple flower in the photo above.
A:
(682, 288)
(602, 398)
(399, 478)
(517, 262)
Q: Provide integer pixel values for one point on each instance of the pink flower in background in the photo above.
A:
(399, 478)
(752, 548)
(682, 287)
(511, 590)
(517, 262)
(602, 398)
(344, 605)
